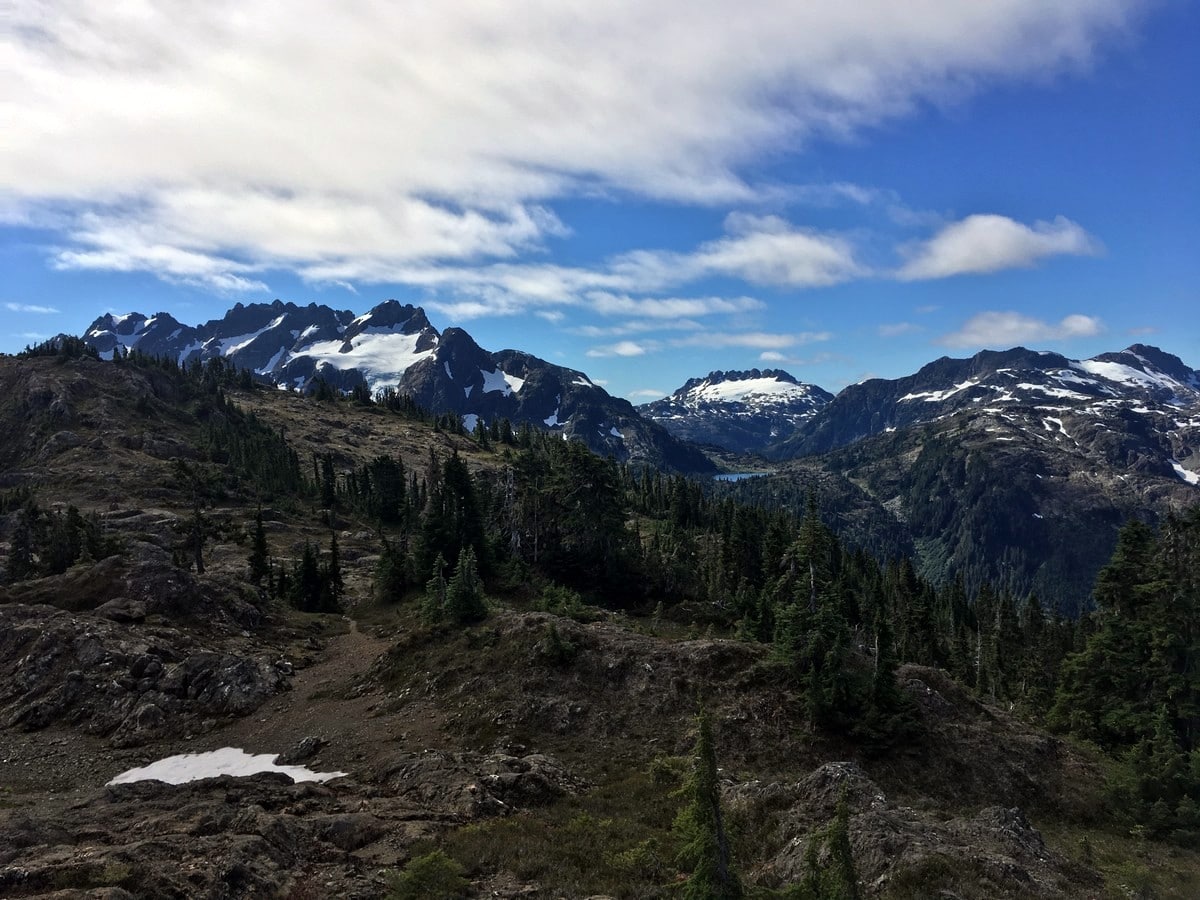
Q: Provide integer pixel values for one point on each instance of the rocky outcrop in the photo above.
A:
(262, 836)
(901, 851)
(475, 785)
(128, 685)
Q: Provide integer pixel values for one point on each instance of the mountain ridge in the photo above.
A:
(992, 379)
(394, 345)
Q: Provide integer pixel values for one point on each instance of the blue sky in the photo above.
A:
(645, 194)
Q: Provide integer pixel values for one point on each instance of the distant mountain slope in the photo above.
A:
(997, 382)
(394, 346)
(739, 411)
(1017, 467)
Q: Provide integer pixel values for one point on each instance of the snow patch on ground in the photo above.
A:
(1046, 423)
(470, 420)
(186, 353)
(228, 345)
(1123, 374)
(759, 388)
(1061, 393)
(227, 761)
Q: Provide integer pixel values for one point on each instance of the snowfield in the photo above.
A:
(227, 761)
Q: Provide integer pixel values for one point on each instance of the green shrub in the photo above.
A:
(434, 876)
(554, 649)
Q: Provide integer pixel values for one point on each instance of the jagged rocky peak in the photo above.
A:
(718, 377)
(391, 316)
(130, 330)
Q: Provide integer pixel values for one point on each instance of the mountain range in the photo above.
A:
(988, 468)
(395, 346)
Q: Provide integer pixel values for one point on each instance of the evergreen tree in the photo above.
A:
(259, 560)
(198, 533)
(1135, 686)
(328, 481)
(332, 583)
(433, 605)
(701, 827)
(391, 574)
(837, 878)
(464, 594)
(20, 555)
(306, 583)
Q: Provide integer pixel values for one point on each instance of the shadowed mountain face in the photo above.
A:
(395, 346)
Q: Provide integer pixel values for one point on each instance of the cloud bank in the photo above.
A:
(209, 143)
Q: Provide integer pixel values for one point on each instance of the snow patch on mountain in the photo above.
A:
(502, 382)
(1189, 477)
(383, 358)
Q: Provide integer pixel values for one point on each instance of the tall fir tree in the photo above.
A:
(701, 827)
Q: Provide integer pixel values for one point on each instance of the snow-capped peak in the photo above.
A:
(740, 410)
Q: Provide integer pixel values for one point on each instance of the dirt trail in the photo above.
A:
(328, 700)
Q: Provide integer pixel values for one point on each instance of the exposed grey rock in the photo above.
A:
(87, 671)
(304, 750)
(474, 785)
(896, 845)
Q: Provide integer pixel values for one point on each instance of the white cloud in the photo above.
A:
(624, 348)
(634, 326)
(759, 249)
(756, 340)
(647, 394)
(669, 308)
(990, 243)
(357, 138)
(1006, 329)
(30, 308)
